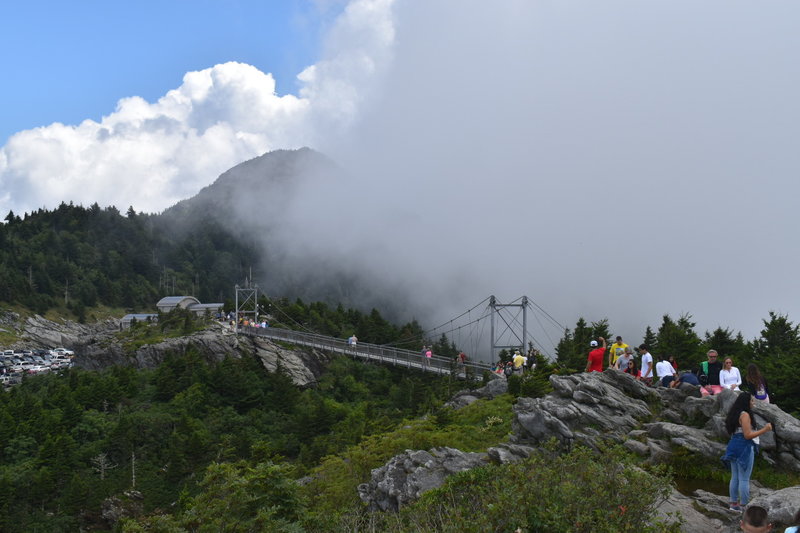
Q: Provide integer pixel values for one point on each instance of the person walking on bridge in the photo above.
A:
(352, 341)
(427, 354)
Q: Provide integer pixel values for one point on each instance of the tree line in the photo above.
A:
(74, 258)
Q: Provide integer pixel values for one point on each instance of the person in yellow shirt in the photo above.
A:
(617, 349)
(519, 360)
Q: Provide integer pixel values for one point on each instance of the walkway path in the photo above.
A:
(372, 352)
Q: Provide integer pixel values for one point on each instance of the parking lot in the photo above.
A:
(16, 363)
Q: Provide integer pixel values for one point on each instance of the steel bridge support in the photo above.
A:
(496, 310)
(246, 302)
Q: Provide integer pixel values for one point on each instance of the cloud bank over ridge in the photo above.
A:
(151, 155)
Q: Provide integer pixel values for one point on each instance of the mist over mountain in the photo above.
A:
(279, 205)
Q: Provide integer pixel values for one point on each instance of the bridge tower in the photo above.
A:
(497, 311)
(246, 301)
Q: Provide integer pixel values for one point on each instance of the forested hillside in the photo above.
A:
(71, 441)
(76, 257)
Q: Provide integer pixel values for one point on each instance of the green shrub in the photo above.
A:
(535, 385)
(577, 491)
(473, 428)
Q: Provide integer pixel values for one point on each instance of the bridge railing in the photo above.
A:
(373, 352)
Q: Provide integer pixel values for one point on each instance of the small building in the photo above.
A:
(168, 303)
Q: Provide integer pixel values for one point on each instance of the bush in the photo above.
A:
(577, 491)
(333, 486)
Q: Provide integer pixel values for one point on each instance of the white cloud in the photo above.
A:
(151, 155)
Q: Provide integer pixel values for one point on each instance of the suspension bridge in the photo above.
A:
(508, 324)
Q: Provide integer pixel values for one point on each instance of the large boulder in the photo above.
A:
(692, 520)
(406, 476)
(782, 505)
(495, 387)
(583, 408)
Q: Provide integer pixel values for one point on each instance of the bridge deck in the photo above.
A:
(373, 352)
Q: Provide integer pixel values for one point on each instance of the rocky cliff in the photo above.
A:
(96, 347)
(653, 423)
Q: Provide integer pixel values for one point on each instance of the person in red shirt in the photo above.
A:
(595, 361)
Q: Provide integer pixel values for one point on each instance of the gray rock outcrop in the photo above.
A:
(38, 332)
(407, 475)
(651, 422)
(781, 504)
(495, 387)
(96, 347)
(694, 521)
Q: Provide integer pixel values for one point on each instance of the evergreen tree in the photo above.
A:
(726, 344)
(677, 339)
(649, 338)
(778, 338)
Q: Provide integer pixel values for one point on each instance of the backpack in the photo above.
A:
(508, 370)
(702, 375)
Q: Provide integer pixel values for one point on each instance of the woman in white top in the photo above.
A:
(729, 376)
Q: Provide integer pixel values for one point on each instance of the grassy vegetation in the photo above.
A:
(473, 428)
(546, 493)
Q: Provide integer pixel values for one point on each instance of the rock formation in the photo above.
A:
(406, 476)
(653, 423)
(96, 347)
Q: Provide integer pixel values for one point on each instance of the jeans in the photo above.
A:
(740, 479)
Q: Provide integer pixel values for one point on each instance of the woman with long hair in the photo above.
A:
(740, 452)
(756, 383)
(632, 370)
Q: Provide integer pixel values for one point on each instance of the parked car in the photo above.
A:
(62, 351)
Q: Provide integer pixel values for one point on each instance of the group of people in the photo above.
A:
(712, 377)
(519, 364)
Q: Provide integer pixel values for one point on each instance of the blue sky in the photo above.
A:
(69, 61)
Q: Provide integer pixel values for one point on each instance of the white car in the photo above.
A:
(62, 351)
